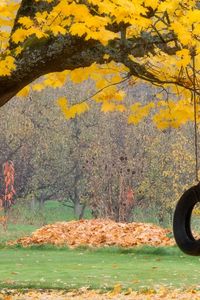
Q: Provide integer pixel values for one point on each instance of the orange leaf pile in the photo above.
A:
(98, 233)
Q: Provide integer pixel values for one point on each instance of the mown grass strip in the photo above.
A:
(138, 268)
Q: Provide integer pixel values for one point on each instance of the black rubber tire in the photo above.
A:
(182, 221)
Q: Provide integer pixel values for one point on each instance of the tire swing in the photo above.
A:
(183, 211)
(182, 221)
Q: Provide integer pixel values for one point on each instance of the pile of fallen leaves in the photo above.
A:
(98, 233)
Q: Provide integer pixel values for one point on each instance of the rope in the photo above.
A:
(195, 116)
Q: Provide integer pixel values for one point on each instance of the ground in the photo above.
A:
(48, 272)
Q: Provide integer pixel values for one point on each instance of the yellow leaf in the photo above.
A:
(38, 87)
(106, 56)
(151, 3)
(120, 95)
(108, 107)
(139, 112)
(184, 57)
(128, 292)
(116, 290)
(78, 29)
(71, 112)
(120, 108)
(56, 29)
(24, 92)
(79, 75)
(26, 22)
(18, 50)
(39, 33)
(7, 65)
(62, 102)
(19, 35)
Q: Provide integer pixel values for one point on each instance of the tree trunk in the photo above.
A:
(79, 210)
(41, 203)
(33, 204)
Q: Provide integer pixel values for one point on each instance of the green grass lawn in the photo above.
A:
(50, 267)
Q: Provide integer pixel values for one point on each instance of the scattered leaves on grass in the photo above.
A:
(151, 294)
(98, 233)
(116, 290)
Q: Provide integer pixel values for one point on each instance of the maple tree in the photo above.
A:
(110, 42)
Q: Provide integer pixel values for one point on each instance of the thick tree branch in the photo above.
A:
(59, 53)
(52, 55)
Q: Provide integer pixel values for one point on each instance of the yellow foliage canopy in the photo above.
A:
(175, 23)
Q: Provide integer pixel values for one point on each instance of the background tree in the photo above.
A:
(99, 53)
(95, 159)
